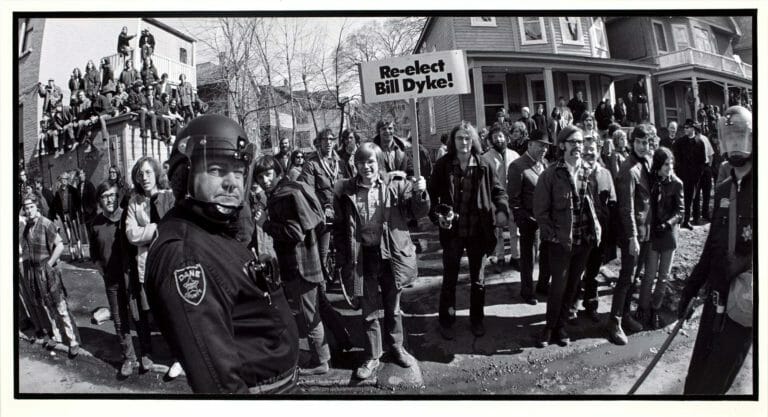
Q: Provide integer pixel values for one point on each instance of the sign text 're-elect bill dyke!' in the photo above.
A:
(423, 75)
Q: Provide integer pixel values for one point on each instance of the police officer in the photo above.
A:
(725, 329)
(221, 310)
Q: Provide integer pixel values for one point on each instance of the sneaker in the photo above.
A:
(174, 371)
(127, 368)
(562, 337)
(531, 300)
(402, 357)
(478, 329)
(544, 338)
(50, 343)
(321, 369)
(74, 146)
(74, 350)
(632, 325)
(367, 369)
(145, 364)
(447, 332)
(615, 332)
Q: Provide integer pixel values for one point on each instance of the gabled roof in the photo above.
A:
(424, 31)
(171, 29)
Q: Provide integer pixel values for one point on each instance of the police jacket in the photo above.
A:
(400, 204)
(716, 268)
(231, 328)
(633, 192)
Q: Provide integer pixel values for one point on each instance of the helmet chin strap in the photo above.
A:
(217, 212)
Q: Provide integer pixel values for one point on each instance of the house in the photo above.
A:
(52, 48)
(517, 61)
(251, 107)
(694, 58)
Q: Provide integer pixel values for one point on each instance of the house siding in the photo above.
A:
(568, 49)
(167, 44)
(482, 38)
(624, 42)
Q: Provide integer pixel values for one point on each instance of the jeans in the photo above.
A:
(143, 114)
(453, 249)
(323, 245)
(61, 320)
(103, 122)
(527, 257)
(332, 320)
(594, 262)
(660, 262)
(117, 297)
(305, 300)
(622, 294)
(377, 273)
(566, 264)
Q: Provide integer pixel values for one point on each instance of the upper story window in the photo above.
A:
(599, 40)
(702, 39)
(570, 28)
(483, 21)
(24, 30)
(532, 30)
(183, 55)
(661, 39)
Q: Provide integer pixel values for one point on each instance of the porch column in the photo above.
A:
(725, 96)
(477, 86)
(695, 90)
(651, 112)
(549, 89)
(612, 92)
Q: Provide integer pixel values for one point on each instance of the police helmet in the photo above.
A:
(207, 136)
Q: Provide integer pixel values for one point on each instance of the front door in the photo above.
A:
(671, 111)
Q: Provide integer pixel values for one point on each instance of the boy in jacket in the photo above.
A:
(374, 246)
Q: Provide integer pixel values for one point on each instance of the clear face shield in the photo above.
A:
(735, 129)
(228, 163)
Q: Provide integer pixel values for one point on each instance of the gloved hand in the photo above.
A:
(682, 306)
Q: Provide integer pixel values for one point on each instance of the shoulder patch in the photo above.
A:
(190, 283)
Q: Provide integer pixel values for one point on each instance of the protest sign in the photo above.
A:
(414, 76)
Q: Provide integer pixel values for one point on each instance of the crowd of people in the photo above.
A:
(229, 250)
(98, 95)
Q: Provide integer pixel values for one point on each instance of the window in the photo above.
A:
(431, 108)
(24, 30)
(702, 39)
(578, 83)
(680, 35)
(599, 41)
(661, 40)
(483, 21)
(536, 93)
(532, 30)
(182, 55)
(495, 95)
(570, 27)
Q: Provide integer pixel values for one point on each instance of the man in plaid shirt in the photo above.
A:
(563, 204)
(42, 288)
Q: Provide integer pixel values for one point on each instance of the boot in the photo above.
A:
(615, 332)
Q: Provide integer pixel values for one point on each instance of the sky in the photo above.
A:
(199, 28)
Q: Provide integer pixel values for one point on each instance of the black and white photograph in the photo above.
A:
(425, 205)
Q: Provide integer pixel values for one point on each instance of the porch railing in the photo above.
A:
(692, 56)
(163, 65)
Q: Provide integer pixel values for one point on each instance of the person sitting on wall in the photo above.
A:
(124, 49)
(147, 45)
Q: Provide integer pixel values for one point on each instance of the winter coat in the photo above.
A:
(666, 207)
(400, 205)
(320, 181)
(108, 79)
(92, 83)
